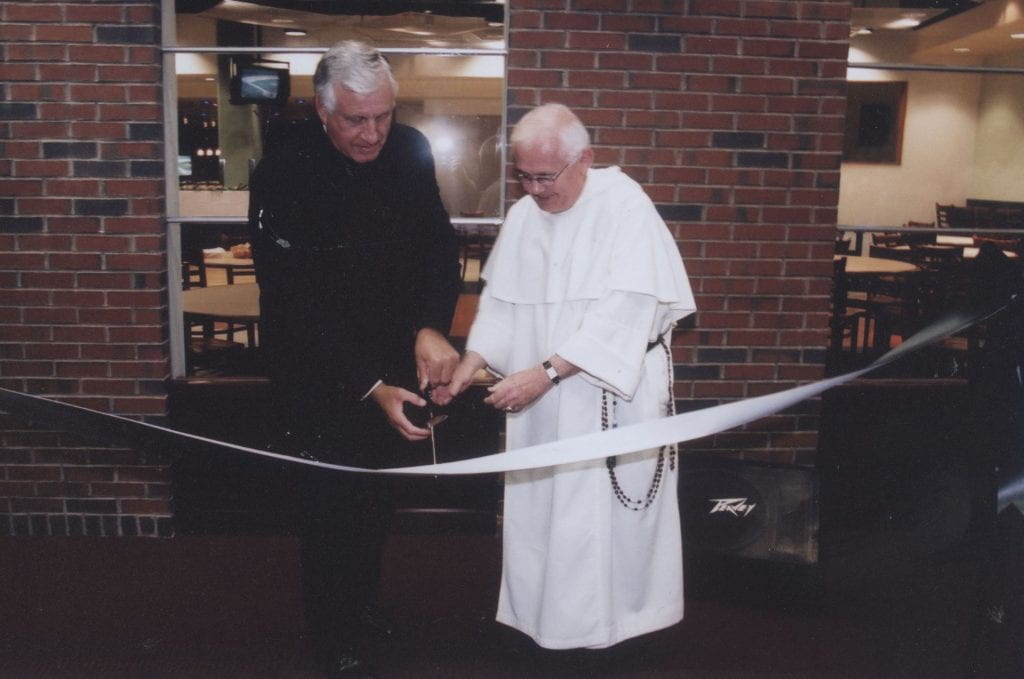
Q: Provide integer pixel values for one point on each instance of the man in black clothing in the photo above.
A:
(358, 271)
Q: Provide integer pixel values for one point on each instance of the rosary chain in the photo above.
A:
(659, 470)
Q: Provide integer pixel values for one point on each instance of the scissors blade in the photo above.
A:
(431, 423)
(433, 444)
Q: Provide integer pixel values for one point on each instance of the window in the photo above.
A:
(241, 73)
(931, 171)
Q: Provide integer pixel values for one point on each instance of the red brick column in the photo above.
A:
(83, 304)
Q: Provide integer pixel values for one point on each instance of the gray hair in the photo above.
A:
(355, 66)
(552, 125)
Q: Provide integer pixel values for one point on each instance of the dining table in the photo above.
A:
(965, 245)
(859, 265)
(240, 303)
(233, 304)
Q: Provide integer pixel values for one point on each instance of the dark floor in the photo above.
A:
(229, 607)
(894, 592)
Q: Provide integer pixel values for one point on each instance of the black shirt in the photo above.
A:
(352, 260)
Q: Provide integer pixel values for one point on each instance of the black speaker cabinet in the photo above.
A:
(750, 509)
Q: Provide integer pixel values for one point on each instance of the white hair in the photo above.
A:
(552, 125)
(355, 66)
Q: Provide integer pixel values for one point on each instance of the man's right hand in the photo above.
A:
(391, 399)
(462, 377)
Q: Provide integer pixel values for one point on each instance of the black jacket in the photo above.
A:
(352, 260)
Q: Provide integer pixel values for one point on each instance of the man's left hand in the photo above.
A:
(391, 400)
(436, 359)
(519, 390)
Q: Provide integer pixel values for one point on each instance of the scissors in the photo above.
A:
(432, 420)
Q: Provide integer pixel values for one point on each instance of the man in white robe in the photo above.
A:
(583, 287)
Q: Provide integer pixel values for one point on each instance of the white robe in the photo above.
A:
(593, 284)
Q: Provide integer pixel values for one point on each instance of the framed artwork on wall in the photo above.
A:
(875, 113)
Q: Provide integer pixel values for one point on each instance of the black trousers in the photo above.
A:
(344, 520)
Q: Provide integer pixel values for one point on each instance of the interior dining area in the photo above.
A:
(931, 209)
(450, 72)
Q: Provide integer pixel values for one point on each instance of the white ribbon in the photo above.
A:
(598, 445)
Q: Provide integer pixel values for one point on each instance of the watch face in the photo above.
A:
(552, 373)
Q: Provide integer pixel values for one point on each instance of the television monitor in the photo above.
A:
(260, 82)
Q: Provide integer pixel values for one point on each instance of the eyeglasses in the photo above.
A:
(525, 178)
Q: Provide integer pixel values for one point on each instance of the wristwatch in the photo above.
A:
(552, 373)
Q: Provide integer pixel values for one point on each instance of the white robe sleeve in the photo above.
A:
(490, 334)
(611, 343)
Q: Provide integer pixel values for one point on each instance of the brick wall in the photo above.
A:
(729, 112)
(83, 313)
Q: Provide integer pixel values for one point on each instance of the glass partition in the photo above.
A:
(450, 68)
(931, 205)
(456, 101)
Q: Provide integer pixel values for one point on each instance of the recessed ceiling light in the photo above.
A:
(961, 49)
(1017, 36)
(282, 21)
(295, 31)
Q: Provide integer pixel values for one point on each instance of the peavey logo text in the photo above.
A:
(737, 506)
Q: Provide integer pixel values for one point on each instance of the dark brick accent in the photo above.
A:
(688, 372)
(680, 213)
(146, 132)
(100, 168)
(69, 149)
(712, 355)
(127, 35)
(654, 43)
(101, 207)
(92, 506)
(18, 111)
(738, 140)
(750, 159)
(146, 168)
(21, 224)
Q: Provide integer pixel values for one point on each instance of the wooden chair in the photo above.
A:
(925, 235)
(849, 329)
(938, 258)
(193, 275)
(843, 246)
(954, 217)
(210, 347)
(475, 243)
(942, 215)
(899, 253)
(891, 305)
(234, 272)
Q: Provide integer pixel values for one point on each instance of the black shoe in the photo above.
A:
(348, 666)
